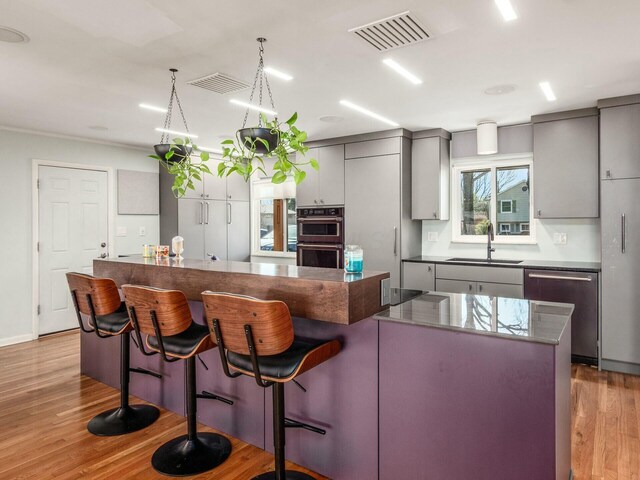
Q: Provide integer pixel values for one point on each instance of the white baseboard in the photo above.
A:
(13, 340)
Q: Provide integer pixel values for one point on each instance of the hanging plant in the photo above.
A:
(245, 154)
(176, 157)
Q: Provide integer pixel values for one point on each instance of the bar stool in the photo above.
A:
(99, 299)
(165, 318)
(256, 338)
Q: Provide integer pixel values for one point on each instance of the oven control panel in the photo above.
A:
(321, 212)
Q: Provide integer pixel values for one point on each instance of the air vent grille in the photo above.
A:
(393, 32)
(219, 83)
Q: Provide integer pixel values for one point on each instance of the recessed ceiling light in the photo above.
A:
(100, 128)
(331, 118)
(278, 73)
(500, 90)
(152, 107)
(402, 71)
(11, 35)
(548, 91)
(174, 132)
(506, 9)
(252, 107)
(364, 111)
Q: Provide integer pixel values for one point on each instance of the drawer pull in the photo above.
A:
(559, 277)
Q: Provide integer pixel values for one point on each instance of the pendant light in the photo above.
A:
(248, 135)
(164, 147)
(487, 137)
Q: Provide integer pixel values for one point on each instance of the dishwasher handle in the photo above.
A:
(559, 277)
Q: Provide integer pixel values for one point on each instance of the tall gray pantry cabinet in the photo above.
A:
(620, 214)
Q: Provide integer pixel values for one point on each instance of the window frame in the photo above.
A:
(494, 164)
(510, 202)
(255, 223)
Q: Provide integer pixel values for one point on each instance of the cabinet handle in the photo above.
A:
(428, 268)
(539, 213)
(322, 202)
(608, 174)
(623, 222)
(201, 213)
(315, 201)
(206, 222)
(395, 240)
(229, 213)
(435, 215)
(559, 277)
(479, 287)
(470, 287)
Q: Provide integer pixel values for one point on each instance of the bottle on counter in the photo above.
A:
(353, 258)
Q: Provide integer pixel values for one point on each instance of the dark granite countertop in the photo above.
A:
(536, 264)
(515, 319)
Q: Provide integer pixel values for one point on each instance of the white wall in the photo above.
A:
(583, 242)
(17, 151)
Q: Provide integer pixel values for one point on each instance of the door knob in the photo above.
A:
(103, 255)
(103, 244)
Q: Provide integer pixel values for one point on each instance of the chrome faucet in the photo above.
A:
(489, 238)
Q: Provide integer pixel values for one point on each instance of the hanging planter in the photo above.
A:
(175, 157)
(245, 154)
(248, 138)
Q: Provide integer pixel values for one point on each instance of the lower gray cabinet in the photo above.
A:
(455, 286)
(419, 276)
(480, 280)
(238, 231)
(507, 290)
(191, 227)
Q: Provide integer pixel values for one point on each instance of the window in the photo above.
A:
(506, 206)
(497, 192)
(274, 227)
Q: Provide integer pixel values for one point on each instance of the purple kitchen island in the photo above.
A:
(442, 386)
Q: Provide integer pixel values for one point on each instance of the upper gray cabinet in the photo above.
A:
(430, 175)
(237, 188)
(620, 137)
(326, 186)
(565, 164)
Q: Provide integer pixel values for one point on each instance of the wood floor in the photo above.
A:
(45, 405)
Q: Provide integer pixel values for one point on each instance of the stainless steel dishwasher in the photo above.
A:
(579, 289)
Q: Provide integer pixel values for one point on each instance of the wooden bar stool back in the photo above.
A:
(256, 338)
(164, 317)
(99, 300)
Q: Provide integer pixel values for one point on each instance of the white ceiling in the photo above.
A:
(90, 62)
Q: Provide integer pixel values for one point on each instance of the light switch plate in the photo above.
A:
(143, 231)
(432, 236)
(121, 232)
(560, 238)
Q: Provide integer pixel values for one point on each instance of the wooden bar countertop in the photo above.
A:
(324, 294)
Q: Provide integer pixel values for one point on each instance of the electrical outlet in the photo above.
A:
(560, 238)
(121, 232)
(143, 231)
(432, 236)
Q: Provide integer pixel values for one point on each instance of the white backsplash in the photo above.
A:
(583, 242)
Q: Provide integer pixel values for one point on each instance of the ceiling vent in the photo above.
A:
(393, 32)
(219, 83)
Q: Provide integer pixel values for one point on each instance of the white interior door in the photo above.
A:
(73, 220)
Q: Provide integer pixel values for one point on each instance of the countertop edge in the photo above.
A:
(524, 264)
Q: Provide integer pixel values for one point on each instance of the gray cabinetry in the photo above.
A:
(620, 141)
(372, 212)
(565, 158)
(491, 281)
(419, 276)
(326, 186)
(372, 148)
(216, 222)
(191, 226)
(620, 271)
(430, 175)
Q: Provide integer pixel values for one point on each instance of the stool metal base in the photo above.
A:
(123, 420)
(289, 475)
(182, 457)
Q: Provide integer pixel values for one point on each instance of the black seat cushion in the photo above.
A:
(182, 344)
(114, 322)
(282, 365)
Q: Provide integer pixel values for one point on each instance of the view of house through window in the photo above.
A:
(500, 195)
(277, 226)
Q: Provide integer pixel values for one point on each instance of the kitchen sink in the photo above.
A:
(484, 260)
